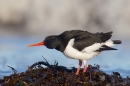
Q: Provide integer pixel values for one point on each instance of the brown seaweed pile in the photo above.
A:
(54, 75)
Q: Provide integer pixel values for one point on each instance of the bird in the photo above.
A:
(79, 44)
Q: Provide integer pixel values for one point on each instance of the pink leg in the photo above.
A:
(85, 68)
(80, 64)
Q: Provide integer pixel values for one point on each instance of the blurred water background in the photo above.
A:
(29, 21)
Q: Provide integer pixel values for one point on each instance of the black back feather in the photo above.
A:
(83, 38)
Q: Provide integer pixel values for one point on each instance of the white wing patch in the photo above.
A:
(96, 46)
(109, 43)
(93, 47)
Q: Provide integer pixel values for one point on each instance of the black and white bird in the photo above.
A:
(81, 45)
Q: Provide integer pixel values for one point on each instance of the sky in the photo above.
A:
(30, 21)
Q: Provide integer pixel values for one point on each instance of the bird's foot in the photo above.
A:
(85, 68)
(80, 64)
(77, 72)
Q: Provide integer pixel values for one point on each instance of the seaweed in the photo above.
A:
(55, 75)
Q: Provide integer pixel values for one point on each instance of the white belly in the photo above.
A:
(75, 54)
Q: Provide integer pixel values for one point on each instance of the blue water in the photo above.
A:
(13, 52)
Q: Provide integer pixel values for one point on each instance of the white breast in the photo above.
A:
(75, 54)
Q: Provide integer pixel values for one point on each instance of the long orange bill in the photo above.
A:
(37, 44)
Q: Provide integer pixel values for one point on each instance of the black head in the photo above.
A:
(51, 42)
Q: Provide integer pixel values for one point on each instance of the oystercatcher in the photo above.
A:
(81, 45)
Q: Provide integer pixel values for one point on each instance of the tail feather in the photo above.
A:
(104, 48)
(117, 41)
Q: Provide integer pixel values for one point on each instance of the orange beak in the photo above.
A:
(37, 44)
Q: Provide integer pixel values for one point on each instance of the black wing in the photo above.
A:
(85, 39)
